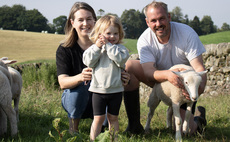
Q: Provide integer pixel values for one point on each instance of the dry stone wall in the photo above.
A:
(217, 62)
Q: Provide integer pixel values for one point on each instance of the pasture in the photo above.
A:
(40, 103)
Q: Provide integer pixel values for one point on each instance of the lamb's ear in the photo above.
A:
(177, 73)
(202, 72)
(9, 61)
(4, 58)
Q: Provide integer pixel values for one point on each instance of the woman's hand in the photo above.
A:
(86, 74)
(125, 77)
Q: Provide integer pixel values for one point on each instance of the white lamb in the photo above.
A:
(6, 103)
(172, 96)
(16, 83)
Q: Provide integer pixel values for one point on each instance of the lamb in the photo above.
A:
(6, 102)
(16, 83)
(172, 96)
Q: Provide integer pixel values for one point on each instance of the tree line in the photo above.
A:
(133, 21)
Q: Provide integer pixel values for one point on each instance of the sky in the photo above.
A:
(51, 9)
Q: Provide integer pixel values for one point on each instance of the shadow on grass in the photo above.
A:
(34, 127)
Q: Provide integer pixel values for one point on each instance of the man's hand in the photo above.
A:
(178, 82)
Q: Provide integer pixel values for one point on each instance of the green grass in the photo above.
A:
(41, 104)
(131, 44)
(216, 38)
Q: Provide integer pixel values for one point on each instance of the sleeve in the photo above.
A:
(117, 53)
(194, 47)
(145, 50)
(91, 56)
(62, 61)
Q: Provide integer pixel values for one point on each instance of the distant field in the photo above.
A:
(29, 46)
(216, 38)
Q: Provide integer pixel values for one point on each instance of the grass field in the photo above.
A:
(29, 46)
(216, 38)
(40, 105)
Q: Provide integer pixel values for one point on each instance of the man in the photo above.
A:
(161, 46)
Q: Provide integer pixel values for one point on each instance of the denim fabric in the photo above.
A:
(77, 102)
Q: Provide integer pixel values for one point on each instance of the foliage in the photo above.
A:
(45, 73)
(59, 24)
(225, 27)
(61, 134)
(207, 25)
(133, 23)
(100, 12)
(35, 21)
(176, 14)
(195, 24)
(18, 18)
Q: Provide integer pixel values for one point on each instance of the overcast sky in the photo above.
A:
(217, 9)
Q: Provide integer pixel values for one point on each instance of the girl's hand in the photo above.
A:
(99, 43)
(125, 77)
(104, 39)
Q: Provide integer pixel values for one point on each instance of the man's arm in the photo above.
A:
(152, 74)
(198, 66)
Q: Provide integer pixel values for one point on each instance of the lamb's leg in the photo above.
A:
(178, 121)
(16, 105)
(187, 118)
(12, 118)
(3, 122)
(169, 117)
(152, 104)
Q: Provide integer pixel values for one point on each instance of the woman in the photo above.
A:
(73, 75)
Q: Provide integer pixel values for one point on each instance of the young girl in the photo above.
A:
(107, 58)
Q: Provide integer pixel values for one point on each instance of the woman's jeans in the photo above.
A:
(77, 102)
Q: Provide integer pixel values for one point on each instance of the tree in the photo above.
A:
(5, 18)
(133, 22)
(12, 18)
(225, 27)
(185, 20)
(100, 12)
(195, 24)
(18, 18)
(59, 24)
(207, 25)
(35, 21)
(177, 15)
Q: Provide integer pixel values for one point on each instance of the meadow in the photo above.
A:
(40, 102)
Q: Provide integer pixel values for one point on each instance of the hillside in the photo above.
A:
(216, 38)
(29, 46)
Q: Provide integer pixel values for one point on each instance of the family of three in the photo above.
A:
(94, 72)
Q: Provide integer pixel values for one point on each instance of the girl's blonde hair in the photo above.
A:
(103, 23)
(70, 32)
